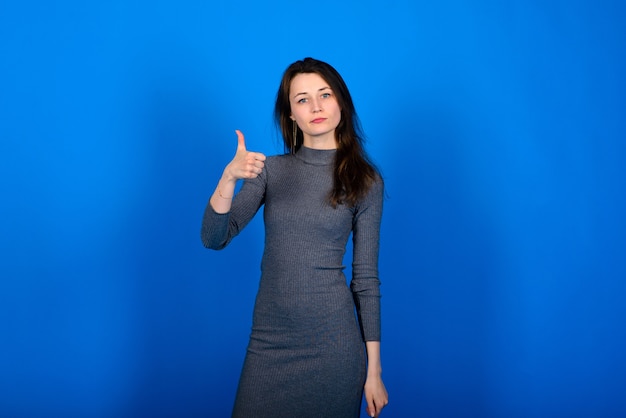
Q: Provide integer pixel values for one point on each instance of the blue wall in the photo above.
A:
(500, 128)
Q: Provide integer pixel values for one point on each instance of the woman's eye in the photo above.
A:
(302, 101)
(325, 95)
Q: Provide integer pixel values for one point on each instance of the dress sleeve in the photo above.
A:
(218, 229)
(365, 284)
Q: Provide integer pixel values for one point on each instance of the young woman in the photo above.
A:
(306, 355)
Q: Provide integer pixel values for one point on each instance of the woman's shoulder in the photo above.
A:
(278, 156)
(278, 159)
(375, 191)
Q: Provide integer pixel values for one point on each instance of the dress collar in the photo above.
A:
(316, 156)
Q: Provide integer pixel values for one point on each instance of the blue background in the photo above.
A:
(500, 129)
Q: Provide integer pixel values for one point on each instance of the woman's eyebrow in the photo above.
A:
(304, 92)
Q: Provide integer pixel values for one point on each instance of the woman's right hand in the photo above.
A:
(245, 164)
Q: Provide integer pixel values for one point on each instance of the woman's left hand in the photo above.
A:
(375, 395)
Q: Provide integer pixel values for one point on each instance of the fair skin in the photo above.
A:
(316, 111)
(245, 165)
(374, 390)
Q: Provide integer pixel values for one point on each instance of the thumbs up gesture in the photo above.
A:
(245, 164)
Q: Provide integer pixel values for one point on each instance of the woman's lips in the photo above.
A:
(318, 120)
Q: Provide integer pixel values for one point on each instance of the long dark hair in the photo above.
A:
(354, 172)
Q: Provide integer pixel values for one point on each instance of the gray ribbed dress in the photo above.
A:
(306, 353)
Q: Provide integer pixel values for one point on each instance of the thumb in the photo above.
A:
(371, 409)
(241, 143)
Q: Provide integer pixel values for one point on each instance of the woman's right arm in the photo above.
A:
(222, 220)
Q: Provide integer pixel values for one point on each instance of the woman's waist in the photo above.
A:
(303, 265)
(300, 315)
(313, 299)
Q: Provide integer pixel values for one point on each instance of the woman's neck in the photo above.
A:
(320, 142)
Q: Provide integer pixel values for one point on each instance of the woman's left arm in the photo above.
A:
(375, 392)
(365, 288)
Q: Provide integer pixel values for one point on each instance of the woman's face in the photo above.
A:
(315, 109)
